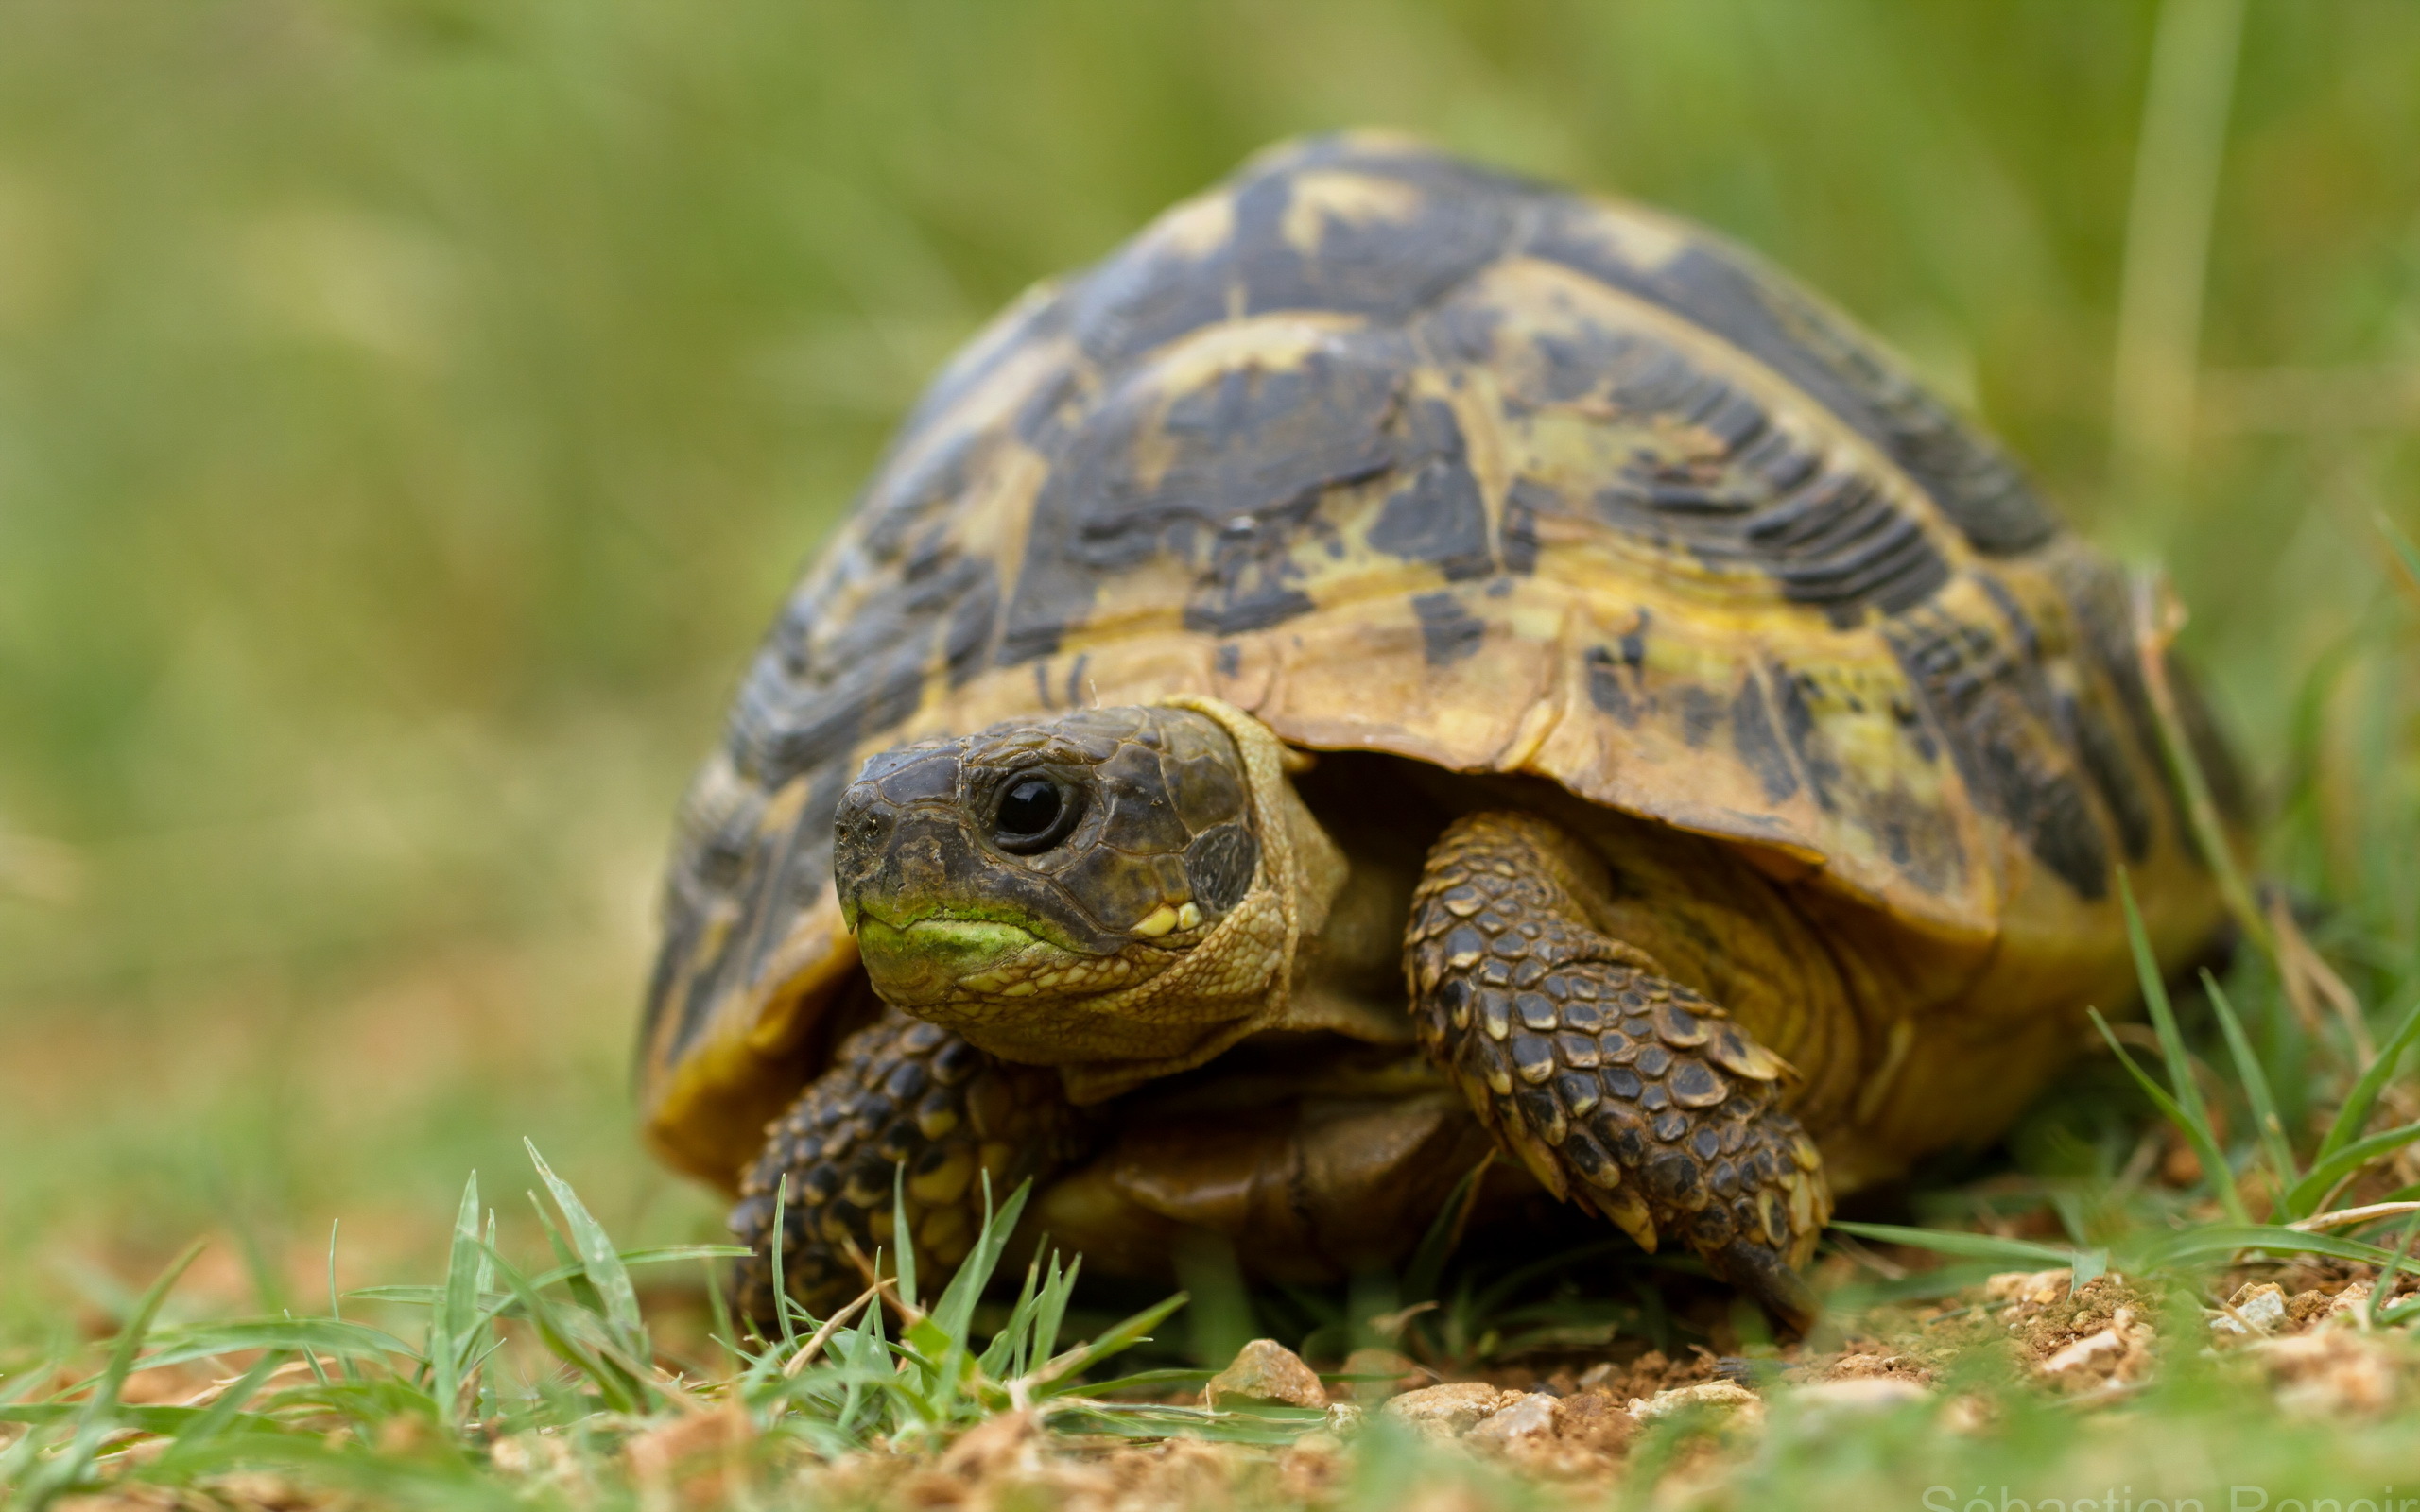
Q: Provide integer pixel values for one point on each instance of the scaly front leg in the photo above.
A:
(900, 1092)
(1619, 1089)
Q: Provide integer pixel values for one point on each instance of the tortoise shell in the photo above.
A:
(1405, 455)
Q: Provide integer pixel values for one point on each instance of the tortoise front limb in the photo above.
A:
(1619, 1087)
(900, 1092)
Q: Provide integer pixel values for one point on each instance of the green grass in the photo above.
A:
(410, 411)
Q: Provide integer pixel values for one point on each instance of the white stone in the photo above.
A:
(1527, 1419)
(1449, 1411)
(2261, 1305)
(2085, 1350)
(1729, 1394)
(1860, 1394)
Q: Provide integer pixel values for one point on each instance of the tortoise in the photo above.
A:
(1396, 665)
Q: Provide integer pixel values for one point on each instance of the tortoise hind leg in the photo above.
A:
(900, 1092)
(1620, 1089)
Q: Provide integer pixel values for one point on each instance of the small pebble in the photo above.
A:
(1525, 1420)
(1267, 1371)
(1449, 1411)
(1859, 1395)
(2262, 1305)
(1729, 1394)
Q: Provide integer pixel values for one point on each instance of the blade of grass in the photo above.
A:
(2382, 1293)
(450, 1326)
(2230, 1239)
(2405, 555)
(98, 1416)
(776, 1246)
(1000, 1359)
(336, 1307)
(953, 1313)
(602, 1261)
(1437, 1245)
(1965, 1245)
(2307, 1193)
(807, 1351)
(1122, 1336)
(2185, 1087)
(2157, 618)
(355, 1341)
(902, 1236)
(726, 1332)
(24, 1381)
(221, 1414)
(2274, 1142)
(1051, 1312)
(557, 1329)
(2351, 1118)
(2196, 1131)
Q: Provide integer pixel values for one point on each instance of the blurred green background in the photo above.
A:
(412, 410)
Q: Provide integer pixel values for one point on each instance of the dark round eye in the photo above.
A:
(1036, 812)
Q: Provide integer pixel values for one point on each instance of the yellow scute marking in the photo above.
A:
(1355, 199)
(1193, 228)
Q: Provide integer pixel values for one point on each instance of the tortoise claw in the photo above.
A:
(1766, 1275)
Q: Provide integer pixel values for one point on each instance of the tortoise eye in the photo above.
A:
(1035, 813)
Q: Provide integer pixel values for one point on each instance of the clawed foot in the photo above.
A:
(1619, 1089)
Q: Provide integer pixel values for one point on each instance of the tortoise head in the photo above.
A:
(1107, 885)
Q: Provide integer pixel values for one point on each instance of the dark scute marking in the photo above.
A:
(1449, 632)
(1229, 478)
(2049, 808)
(1055, 406)
(1613, 675)
(682, 922)
(1267, 602)
(2011, 758)
(1752, 731)
(1436, 516)
(903, 504)
(784, 874)
(1840, 546)
(1219, 866)
(2104, 763)
(1823, 775)
(1700, 710)
(2097, 593)
(1758, 496)
(1229, 658)
(1379, 266)
(1462, 331)
(1605, 688)
(895, 694)
(2211, 751)
(1726, 291)
(1635, 644)
(971, 623)
(797, 709)
(1523, 503)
